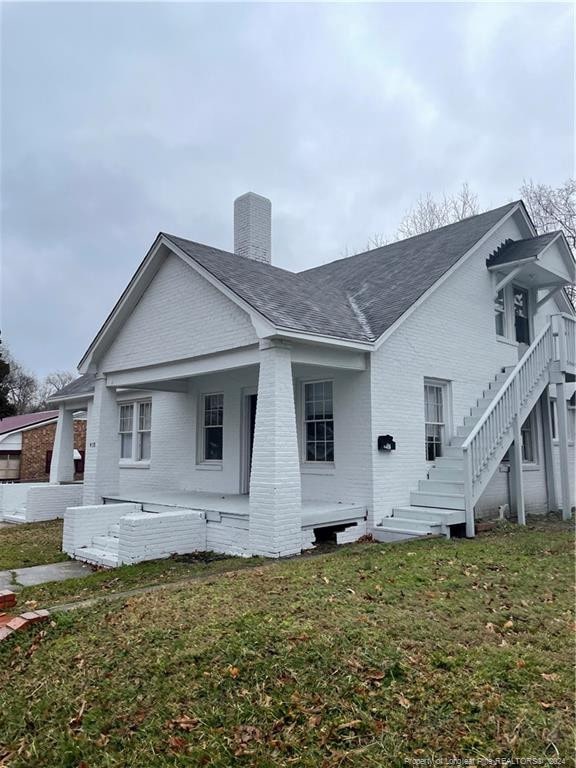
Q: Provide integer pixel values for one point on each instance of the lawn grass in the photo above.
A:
(31, 544)
(368, 656)
(128, 577)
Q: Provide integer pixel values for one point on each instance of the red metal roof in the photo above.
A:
(13, 423)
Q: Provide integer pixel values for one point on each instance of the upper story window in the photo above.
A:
(318, 421)
(500, 314)
(135, 429)
(212, 427)
(521, 315)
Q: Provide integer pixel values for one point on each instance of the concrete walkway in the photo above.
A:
(41, 574)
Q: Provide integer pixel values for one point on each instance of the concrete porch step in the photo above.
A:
(14, 517)
(97, 556)
(433, 485)
(108, 543)
(422, 527)
(449, 462)
(430, 514)
(448, 475)
(386, 534)
(453, 452)
(438, 500)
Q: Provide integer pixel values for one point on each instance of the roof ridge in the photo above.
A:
(413, 237)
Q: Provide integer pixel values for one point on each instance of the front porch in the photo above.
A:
(145, 525)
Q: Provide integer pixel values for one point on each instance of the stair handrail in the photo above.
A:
(564, 329)
(480, 443)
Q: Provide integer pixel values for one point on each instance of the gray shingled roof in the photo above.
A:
(356, 298)
(285, 298)
(83, 385)
(518, 250)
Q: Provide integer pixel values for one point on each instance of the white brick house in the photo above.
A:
(238, 407)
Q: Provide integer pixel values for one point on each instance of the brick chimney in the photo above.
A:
(253, 227)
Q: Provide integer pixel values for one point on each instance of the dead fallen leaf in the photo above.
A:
(403, 701)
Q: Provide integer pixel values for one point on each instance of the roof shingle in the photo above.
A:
(355, 298)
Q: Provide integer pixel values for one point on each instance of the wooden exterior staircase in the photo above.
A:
(458, 478)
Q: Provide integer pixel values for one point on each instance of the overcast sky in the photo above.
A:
(120, 120)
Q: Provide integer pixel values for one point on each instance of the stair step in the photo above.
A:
(457, 441)
(97, 556)
(454, 452)
(465, 429)
(386, 534)
(446, 475)
(438, 486)
(109, 543)
(423, 527)
(449, 462)
(439, 500)
(13, 517)
(431, 514)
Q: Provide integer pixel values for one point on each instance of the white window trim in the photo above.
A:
(509, 315)
(202, 463)
(132, 462)
(571, 422)
(446, 387)
(315, 467)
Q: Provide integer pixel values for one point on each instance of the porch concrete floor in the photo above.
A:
(314, 513)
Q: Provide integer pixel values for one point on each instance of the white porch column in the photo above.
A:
(102, 445)
(275, 527)
(62, 464)
(562, 411)
(548, 451)
(517, 479)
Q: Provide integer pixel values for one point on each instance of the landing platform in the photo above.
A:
(315, 514)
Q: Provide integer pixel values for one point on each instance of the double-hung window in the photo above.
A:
(434, 420)
(144, 431)
(318, 421)
(135, 429)
(500, 313)
(528, 440)
(212, 427)
(126, 430)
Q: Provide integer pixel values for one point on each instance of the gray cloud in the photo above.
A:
(119, 120)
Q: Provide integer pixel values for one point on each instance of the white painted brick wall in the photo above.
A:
(81, 524)
(48, 502)
(229, 536)
(275, 491)
(353, 533)
(102, 445)
(179, 316)
(351, 478)
(13, 496)
(146, 536)
(253, 227)
(450, 336)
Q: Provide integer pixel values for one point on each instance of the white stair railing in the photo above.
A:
(564, 329)
(486, 443)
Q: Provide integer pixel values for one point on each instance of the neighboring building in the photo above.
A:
(238, 407)
(26, 446)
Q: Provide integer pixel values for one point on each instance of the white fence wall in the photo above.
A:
(48, 502)
(145, 536)
(81, 524)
